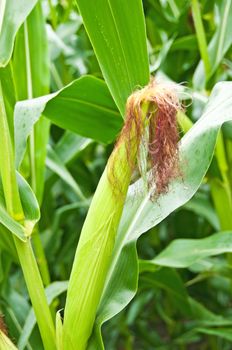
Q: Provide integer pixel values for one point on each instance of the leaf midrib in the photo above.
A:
(96, 106)
(120, 41)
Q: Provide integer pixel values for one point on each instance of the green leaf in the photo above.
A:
(67, 149)
(140, 213)
(205, 317)
(202, 318)
(13, 14)
(83, 107)
(202, 207)
(59, 329)
(170, 281)
(117, 31)
(70, 145)
(185, 252)
(32, 79)
(31, 57)
(7, 243)
(55, 164)
(188, 42)
(9, 223)
(30, 207)
(29, 203)
(7, 159)
(15, 307)
(6, 343)
(221, 195)
(8, 91)
(219, 44)
(52, 292)
(225, 333)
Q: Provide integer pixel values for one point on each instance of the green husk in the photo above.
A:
(94, 251)
(149, 135)
(6, 343)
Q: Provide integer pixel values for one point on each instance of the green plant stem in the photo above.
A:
(220, 188)
(39, 251)
(8, 173)
(25, 253)
(53, 14)
(7, 170)
(229, 159)
(40, 257)
(36, 291)
(201, 38)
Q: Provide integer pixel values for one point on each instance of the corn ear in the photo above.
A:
(5, 342)
(96, 242)
(149, 134)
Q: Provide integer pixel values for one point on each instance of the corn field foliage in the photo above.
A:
(115, 175)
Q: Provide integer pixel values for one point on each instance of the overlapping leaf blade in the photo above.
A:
(203, 320)
(55, 164)
(13, 14)
(30, 64)
(82, 107)
(141, 214)
(117, 31)
(186, 252)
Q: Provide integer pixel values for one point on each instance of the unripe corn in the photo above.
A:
(95, 247)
